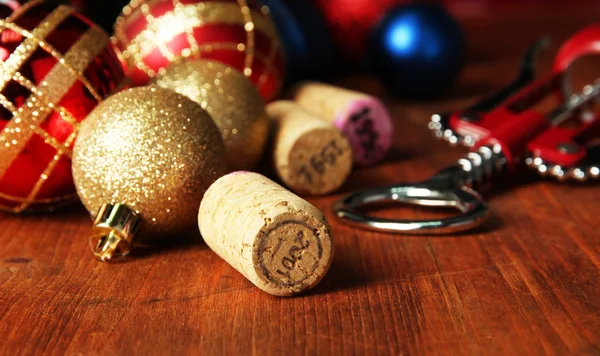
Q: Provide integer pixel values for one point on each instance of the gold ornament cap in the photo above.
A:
(113, 231)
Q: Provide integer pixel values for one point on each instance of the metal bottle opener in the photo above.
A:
(504, 133)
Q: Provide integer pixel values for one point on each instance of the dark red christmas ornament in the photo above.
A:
(351, 21)
(239, 33)
(7, 7)
(56, 67)
(104, 13)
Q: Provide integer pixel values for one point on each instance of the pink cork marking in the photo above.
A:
(368, 126)
(238, 172)
(235, 173)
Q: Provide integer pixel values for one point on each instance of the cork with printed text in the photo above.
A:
(277, 240)
(310, 155)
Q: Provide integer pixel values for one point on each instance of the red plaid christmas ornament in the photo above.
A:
(55, 67)
(240, 33)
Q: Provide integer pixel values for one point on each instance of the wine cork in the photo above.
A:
(362, 118)
(310, 155)
(277, 240)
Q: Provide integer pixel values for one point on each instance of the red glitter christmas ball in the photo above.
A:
(239, 33)
(55, 66)
(351, 21)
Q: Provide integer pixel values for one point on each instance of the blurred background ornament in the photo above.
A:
(241, 34)
(231, 100)
(102, 12)
(56, 67)
(145, 156)
(7, 7)
(351, 21)
(306, 39)
(417, 50)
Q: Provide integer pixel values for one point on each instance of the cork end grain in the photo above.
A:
(319, 162)
(292, 253)
(310, 155)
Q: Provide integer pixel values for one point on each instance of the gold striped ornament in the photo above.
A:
(55, 67)
(152, 34)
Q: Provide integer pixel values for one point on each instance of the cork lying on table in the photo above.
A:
(310, 155)
(277, 240)
(363, 119)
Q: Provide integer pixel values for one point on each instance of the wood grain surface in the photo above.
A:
(526, 283)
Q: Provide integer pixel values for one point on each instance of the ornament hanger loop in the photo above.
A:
(113, 231)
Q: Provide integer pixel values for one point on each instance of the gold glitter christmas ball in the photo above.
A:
(231, 100)
(153, 151)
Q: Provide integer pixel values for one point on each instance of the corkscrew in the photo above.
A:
(505, 132)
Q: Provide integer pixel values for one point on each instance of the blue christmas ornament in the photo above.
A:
(307, 43)
(416, 50)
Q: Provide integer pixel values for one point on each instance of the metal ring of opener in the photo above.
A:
(502, 134)
(468, 202)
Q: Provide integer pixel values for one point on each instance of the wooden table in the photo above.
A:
(526, 283)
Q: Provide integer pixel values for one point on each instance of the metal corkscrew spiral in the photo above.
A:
(476, 170)
(483, 165)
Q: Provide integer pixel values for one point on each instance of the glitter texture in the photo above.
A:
(155, 33)
(57, 67)
(231, 100)
(153, 150)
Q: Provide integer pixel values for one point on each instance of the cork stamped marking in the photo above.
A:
(289, 253)
(367, 125)
(319, 162)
